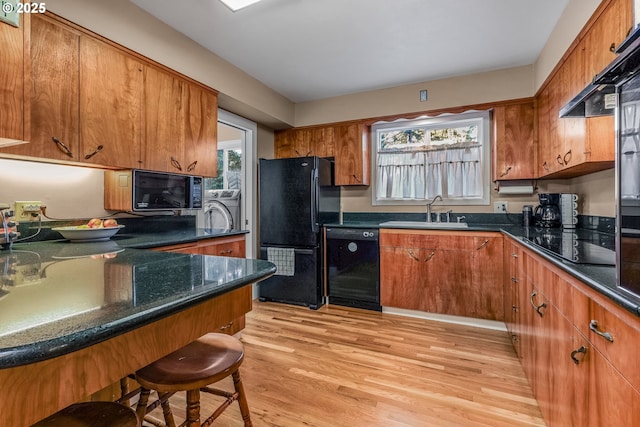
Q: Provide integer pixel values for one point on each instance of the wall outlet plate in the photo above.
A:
(500, 207)
(24, 210)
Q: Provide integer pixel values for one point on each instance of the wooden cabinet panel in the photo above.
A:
(201, 131)
(347, 143)
(111, 87)
(441, 272)
(54, 98)
(163, 121)
(405, 275)
(14, 87)
(180, 125)
(483, 295)
(352, 154)
(514, 151)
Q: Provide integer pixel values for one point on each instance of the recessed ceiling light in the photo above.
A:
(235, 5)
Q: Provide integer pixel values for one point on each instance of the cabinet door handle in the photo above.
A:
(227, 326)
(506, 171)
(514, 308)
(593, 325)
(559, 160)
(545, 166)
(612, 48)
(564, 159)
(356, 178)
(61, 145)
(582, 350)
(485, 243)
(431, 255)
(537, 307)
(96, 151)
(514, 280)
(175, 163)
(412, 255)
(514, 255)
(192, 166)
(308, 153)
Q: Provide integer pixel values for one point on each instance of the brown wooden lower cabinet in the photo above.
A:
(580, 377)
(231, 246)
(442, 272)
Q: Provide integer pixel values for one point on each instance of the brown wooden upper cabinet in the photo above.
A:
(569, 147)
(514, 148)
(180, 125)
(92, 102)
(14, 87)
(111, 86)
(54, 97)
(346, 143)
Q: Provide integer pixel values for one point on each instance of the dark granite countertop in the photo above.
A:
(169, 237)
(601, 278)
(58, 297)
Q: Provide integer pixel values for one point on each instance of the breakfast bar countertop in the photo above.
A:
(58, 297)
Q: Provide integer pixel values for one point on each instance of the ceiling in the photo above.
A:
(313, 49)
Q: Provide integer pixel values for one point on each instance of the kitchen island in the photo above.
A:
(75, 318)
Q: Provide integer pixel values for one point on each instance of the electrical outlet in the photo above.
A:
(500, 207)
(27, 210)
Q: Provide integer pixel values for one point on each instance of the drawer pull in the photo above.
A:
(514, 308)
(62, 147)
(228, 251)
(537, 307)
(514, 255)
(176, 164)
(427, 259)
(227, 326)
(582, 350)
(96, 151)
(485, 243)
(514, 280)
(593, 325)
(412, 255)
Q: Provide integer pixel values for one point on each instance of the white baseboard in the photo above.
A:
(468, 321)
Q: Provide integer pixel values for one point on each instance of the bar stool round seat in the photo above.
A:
(92, 414)
(193, 368)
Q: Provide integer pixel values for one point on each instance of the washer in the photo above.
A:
(222, 209)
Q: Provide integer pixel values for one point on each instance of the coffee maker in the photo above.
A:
(547, 213)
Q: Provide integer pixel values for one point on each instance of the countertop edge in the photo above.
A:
(44, 350)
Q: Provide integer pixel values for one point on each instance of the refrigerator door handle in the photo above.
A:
(314, 201)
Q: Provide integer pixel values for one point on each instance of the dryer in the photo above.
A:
(222, 209)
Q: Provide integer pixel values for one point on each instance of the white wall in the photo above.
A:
(69, 192)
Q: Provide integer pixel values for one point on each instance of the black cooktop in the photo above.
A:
(577, 246)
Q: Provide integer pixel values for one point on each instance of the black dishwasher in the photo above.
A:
(353, 267)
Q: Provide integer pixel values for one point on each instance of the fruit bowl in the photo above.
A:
(85, 234)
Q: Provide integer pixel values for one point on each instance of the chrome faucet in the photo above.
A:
(438, 197)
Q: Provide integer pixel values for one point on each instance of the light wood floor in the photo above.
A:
(345, 367)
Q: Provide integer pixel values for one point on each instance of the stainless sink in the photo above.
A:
(424, 224)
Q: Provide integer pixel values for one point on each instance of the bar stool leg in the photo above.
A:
(166, 410)
(141, 408)
(193, 408)
(242, 399)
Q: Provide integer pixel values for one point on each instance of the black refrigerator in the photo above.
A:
(297, 197)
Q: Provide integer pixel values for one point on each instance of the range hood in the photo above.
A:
(599, 98)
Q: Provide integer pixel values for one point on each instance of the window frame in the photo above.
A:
(484, 135)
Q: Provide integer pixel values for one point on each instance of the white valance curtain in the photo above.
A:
(453, 172)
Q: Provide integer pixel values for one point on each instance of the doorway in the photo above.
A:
(237, 168)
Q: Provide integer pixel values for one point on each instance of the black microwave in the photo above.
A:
(139, 190)
(154, 191)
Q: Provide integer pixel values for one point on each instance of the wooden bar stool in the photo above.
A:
(92, 414)
(193, 368)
